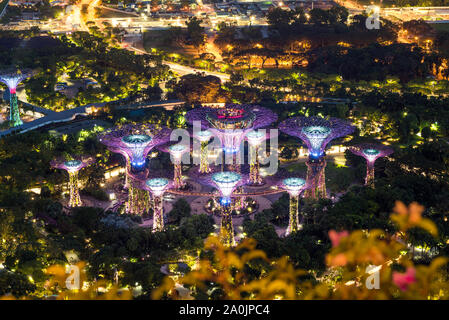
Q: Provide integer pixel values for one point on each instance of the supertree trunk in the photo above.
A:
(138, 200)
(177, 179)
(293, 224)
(75, 200)
(226, 228)
(369, 179)
(127, 170)
(14, 113)
(316, 179)
(130, 206)
(204, 163)
(158, 213)
(237, 202)
(254, 167)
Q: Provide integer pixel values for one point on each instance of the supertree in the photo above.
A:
(226, 182)
(176, 151)
(157, 187)
(316, 133)
(255, 138)
(12, 80)
(203, 136)
(134, 142)
(371, 152)
(231, 123)
(294, 187)
(73, 167)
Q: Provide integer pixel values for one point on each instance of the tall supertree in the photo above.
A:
(176, 151)
(157, 187)
(231, 123)
(203, 136)
(255, 138)
(12, 80)
(134, 142)
(73, 167)
(371, 152)
(226, 182)
(316, 133)
(294, 187)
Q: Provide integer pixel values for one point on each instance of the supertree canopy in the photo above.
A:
(231, 123)
(158, 186)
(371, 152)
(316, 133)
(294, 186)
(12, 80)
(73, 167)
(134, 142)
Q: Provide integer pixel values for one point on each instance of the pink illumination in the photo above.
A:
(402, 280)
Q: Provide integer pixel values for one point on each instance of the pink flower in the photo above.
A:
(402, 280)
(337, 236)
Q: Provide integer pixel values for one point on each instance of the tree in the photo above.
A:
(195, 32)
(194, 88)
(181, 209)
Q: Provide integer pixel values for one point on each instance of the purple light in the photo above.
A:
(316, 132)
(72, 165)
(134, 141)
(232, 123)
(371, 151)
(293, 185)
(12, 80)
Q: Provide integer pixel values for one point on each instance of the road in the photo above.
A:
(177, 68)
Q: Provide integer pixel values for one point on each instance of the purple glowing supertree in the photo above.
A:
(226, 182)
(157, 187)
(73, 167)
(371, 152)
(294, 187)
(134, 142)
(12, 80)
(255, 139)
(203, 136)
(176, 151)
(316, 133)
(231, 123)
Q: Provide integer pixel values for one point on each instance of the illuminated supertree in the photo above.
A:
(176, 151)
(255, 138)
(231, 123)
(371, 152)
(226, 182)
(134, 142)
(294, 187)
(157, 187)
(73, 167)
(203, 136)
(316, 133)
(12, 80)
